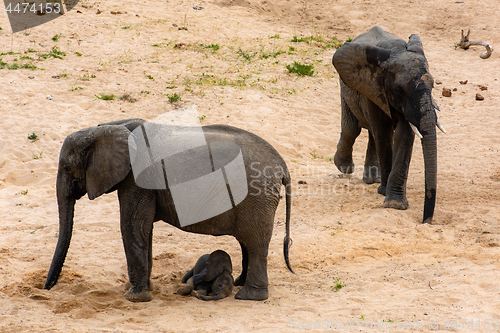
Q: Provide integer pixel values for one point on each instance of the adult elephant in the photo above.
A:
(385, 87)
(98, 160)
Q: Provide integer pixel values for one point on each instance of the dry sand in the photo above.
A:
(394, 270)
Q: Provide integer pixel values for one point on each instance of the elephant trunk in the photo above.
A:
(66, 213)
(429, 147)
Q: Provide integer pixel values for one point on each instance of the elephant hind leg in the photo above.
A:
(240, 280)
(371, 173)
(187, 275)
(349, 132)
(256, 284)
(256, 281)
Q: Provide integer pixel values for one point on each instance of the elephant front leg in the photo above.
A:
(371, 173)
(350, 131)
(136, 224)
(396, 184)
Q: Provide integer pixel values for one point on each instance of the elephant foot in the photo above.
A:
(253, 294)
(345, 165)
(184, 290)
(240, 280)
(128, 285)
(371, 174)
(382, 189)
(143, 296)
(396, 203)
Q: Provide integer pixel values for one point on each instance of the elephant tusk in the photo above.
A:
(415, 130)
(440, 126)
(435, 105)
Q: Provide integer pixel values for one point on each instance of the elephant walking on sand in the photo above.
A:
(210, 274)
(385, 87)
(98, 160)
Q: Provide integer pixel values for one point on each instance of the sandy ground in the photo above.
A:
(394, 272)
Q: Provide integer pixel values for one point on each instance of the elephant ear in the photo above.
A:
(108, 161)
(360, 67)
(415, 44)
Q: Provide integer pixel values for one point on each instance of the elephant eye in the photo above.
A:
(399, 91)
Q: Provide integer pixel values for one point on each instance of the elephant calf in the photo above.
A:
(210, 274)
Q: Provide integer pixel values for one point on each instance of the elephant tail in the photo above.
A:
(287, 243)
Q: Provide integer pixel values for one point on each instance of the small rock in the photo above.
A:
(79, 11)
(446, 92)
(31, 77)
(302, 182)
(182, 28)
(174, 25)
(463, 82)
(99, 11)
(49, 97)
(438, 82)
(479, 97)
(482, 87)
(55, 76)
(455, 89)
(179, 45)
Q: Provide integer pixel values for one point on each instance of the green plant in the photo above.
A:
(54, 53)
(56, 37)
(245, 55)
(150, 77)
(105, 97)
(275, 36)
(172, 98)
(271, 54)
(78, 54)
(157, 44)
(126, 27)
(295, 161)
(337, 285)
(36, 156)
(24, 192)
(213, 47)
(314, 154)
(300, 69)
(33, 137)
(200, 118)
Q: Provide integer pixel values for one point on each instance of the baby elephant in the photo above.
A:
(211, 274)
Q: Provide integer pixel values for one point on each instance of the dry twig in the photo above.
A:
(465, 44)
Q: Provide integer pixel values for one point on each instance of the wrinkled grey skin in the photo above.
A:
(96, 161)
(385, 86)
(210, 274)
